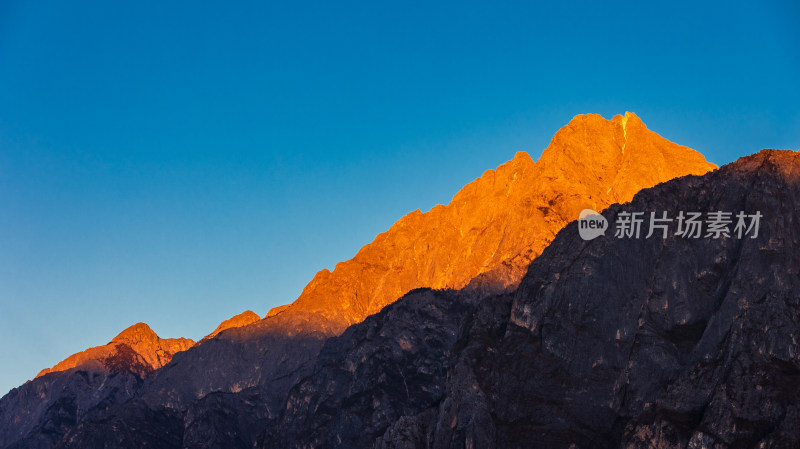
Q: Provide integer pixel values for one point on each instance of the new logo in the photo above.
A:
(591, 224)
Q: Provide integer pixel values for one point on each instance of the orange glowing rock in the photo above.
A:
(495, 226)
(484, 239)
(242, 319)
(136, 349)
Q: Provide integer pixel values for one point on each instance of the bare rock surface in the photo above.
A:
(501, 221)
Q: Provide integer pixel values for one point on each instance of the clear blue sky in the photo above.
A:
(179, 162)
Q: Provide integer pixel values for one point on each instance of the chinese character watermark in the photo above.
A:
(686, 225)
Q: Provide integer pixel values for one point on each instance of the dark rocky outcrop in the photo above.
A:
(389, 366)
(130, 427)
(629, 343)
(646, 343)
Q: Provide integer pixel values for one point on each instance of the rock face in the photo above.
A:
(379, 383)
(496, 225)
(609, 343)
(482, 242)
(393, 364)
(39, 412)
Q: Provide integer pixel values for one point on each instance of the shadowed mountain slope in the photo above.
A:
(610, 343)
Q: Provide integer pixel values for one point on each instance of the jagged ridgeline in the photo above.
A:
(233, 388)
(610, 343)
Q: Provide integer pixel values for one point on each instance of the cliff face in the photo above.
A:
(614, 342)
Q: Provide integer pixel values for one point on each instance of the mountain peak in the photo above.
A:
(592, 135)
(785, 162)
(628, 115)
(137, 333)
(242, 319)
(620, 155)
(522, 156)
(137, 348)
(495, 225)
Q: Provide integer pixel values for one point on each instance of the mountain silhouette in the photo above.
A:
(481, 244)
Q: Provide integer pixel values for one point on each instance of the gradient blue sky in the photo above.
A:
(179, 162)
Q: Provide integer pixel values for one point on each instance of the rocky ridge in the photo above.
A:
(137, 347)
(481, 242)
(242, 319)
(495, 226)
(39, 412)
(610, 343)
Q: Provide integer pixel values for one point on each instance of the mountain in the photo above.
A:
(495, 226)
(242, 319)
(137, 349)
(393, 365)
(629, 343)
(39, 412)
(482, 243)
